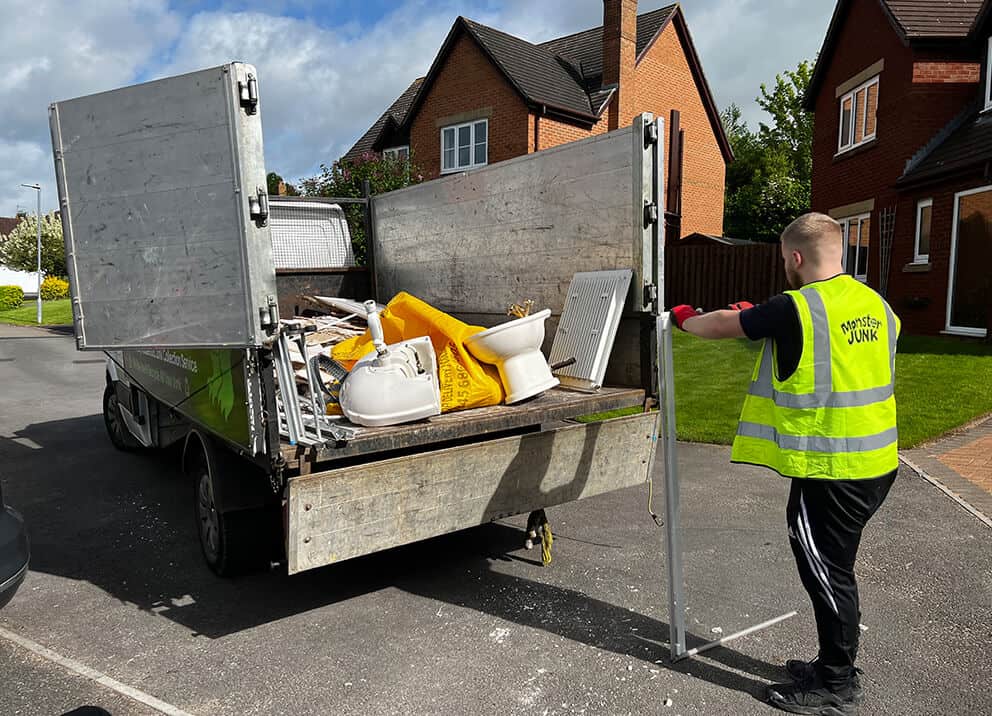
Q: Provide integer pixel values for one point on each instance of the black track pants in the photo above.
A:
(826, 518)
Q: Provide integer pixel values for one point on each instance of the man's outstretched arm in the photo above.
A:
(715, 324)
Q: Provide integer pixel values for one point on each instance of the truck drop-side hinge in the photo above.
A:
(269, 314)
(258, 207)
(248, 91)
(650, 134)
(650, 294)
(650, 213)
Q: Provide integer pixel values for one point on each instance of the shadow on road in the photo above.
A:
(124, 523)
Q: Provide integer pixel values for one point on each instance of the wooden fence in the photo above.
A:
(714, 275)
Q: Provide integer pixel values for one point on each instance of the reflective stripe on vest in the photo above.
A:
(806, 426)
(823, 396)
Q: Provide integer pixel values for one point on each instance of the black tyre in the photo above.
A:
(233, 542)
(117, 431)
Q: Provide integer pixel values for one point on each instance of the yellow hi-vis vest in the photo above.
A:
(835, 417)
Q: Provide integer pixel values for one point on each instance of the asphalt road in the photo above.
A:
(465, 624)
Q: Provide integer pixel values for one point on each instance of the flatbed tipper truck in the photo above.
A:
(164, 210)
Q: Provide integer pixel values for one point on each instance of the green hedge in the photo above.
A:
(11, 297)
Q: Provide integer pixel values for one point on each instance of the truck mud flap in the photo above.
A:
(351, 511)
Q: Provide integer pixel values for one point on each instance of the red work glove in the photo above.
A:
(683, 312)
(740, 306)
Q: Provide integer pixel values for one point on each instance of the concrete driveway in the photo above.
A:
(465, 624)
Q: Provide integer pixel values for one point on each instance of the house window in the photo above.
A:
(464, 146)
(921, 252)
(857, 230)
(971, 247)
(857, 116)
(401, 153)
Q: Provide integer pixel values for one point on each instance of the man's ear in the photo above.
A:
(798, 258)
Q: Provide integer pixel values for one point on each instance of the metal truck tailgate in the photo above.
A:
(351, 511)
(163, 201)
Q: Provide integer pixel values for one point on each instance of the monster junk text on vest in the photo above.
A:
(863, 329)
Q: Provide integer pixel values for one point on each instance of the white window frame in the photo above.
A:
(854, 116)
(472, 163)
(951, 269)
(919, 258)
(845, 223)
(988, 76)
(395, 151)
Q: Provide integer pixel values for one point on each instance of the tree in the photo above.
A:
(768, 183)
(792, 130)
(19, 249)
(273, 181)
(346, 178)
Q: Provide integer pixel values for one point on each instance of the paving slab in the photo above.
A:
(469, 623)
(961, 463)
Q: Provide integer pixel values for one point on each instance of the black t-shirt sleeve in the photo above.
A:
(777, 319)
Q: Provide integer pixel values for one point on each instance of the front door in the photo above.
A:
(969, 285)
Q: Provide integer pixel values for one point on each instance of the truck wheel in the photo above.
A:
(233, 542)
(112, 420)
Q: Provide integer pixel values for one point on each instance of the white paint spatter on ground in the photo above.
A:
(89, 673)
(499, 634)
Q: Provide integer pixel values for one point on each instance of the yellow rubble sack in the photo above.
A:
(464, 381)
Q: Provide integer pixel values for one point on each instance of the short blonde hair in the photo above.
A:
(811, 233)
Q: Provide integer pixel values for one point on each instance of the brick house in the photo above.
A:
(8, 223)
(902, 148)
(490, 96)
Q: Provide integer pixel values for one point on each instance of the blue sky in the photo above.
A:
(326, 69)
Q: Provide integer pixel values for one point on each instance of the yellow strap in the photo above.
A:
(547, 539)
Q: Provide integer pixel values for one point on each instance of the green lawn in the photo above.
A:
(53, 313)
(941, 383)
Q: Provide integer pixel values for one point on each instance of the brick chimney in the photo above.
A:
(619, 57)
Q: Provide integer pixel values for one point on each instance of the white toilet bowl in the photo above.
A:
(514, 348)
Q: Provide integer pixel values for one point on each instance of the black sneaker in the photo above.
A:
(812, 697)
(802, 671)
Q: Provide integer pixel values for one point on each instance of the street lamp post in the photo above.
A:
(37, 188)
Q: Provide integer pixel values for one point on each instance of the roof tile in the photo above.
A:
(396, 113)
(585, 49)
(934, 18)
(536, 72)
(8, 223)
(970, 145)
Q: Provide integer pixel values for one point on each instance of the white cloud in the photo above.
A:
(320, 88)
(743, 43)
(19, 164)
(323, 86)
(51, 51)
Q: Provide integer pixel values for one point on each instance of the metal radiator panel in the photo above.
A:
(588, 326)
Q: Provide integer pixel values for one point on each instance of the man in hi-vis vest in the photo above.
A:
(820, 410)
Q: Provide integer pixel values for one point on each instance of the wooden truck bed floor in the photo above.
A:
(554, 405)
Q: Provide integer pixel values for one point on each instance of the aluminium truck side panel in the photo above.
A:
(351, 511)
(163, 199)
(474, 243)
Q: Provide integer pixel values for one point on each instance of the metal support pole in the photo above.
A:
(666, 392)
(37, 188)
(736, 635)
(39, 254)
(311, 385)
